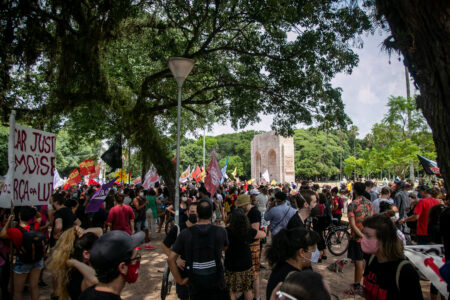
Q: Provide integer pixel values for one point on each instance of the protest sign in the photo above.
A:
(99, 197)
(213, 178)
(428, 265)
(31, 165)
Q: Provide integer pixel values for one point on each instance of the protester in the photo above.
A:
(279, 213)
(370, 194)
(69, 262)
(307, 208)
(63, 218)
(30, 245)
(290, 250)
(121, 216)
(139, 208)
(337, 204)
(116, 262)
(254, 218)
(401, 199)
(151, 212)
(238, 256)
(421, 216)
(181, 290)
(359, 209)
(200, 245)
(306, 285)
(385, 196)
(388, 275)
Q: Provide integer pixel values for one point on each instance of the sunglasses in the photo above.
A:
(136, 259)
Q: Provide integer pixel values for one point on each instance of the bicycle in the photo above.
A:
(337, 238)
(167, 282)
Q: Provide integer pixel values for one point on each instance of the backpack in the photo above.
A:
(33, 245)
(204, 263)
(397, 273)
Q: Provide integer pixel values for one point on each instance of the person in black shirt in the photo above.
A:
(184, 246)
(169, 240)
(291, 250)
(63, 218)
(254, 217)
(387, 274)
(238, 256)
(116, 262)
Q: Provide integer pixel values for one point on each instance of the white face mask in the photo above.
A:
(314, 256)
(141, 194)
(183, 199)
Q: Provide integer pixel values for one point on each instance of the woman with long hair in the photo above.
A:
(290, 250)
(305, 285)
(388, 275)
(69, 262)
(238, 257)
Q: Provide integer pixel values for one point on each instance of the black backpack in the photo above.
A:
(204, 264)
(33, 245)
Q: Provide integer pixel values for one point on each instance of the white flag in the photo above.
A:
(265, 176)
(57, 180)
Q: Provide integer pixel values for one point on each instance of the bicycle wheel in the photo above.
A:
(166, 284)
(170, 222)
(337, 241)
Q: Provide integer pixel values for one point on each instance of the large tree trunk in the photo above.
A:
(421, 32)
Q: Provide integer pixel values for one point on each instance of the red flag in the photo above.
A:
(87, 167)
(214, 173)
(197, 174)
(74, 179)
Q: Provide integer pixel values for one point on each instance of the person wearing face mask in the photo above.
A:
(388, 275)
(139, 205)
(169, 240)
(116, 262)
(290, 250)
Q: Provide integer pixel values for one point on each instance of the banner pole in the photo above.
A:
(10, 178)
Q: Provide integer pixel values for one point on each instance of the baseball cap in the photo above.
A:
(254, 192)
(113, 246)
(242, 200)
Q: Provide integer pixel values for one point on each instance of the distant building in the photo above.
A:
(274, 154)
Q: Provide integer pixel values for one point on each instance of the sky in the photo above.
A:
(365, 91)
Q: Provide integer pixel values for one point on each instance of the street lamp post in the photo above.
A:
(180, 68)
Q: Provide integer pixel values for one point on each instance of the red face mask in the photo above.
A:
(133, 272)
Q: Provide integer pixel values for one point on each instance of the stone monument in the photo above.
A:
(273, 155)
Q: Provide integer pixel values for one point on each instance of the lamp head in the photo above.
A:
(180, 68)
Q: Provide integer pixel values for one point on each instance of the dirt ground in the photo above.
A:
(148, 285)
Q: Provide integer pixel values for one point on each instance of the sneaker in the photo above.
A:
(149, 247)
(355, 289)
(324, 257)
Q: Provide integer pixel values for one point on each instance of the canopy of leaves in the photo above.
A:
(102, 65)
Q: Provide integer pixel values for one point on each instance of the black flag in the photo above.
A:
(113, 156)
(430, 167)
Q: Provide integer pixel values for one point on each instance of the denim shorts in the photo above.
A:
(21, 268)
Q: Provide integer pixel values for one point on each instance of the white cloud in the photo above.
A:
(365, 91)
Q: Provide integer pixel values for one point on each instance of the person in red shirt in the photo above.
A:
(23, 269)
(421, 214)
(121, 216)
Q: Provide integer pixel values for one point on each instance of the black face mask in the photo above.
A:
(192, 218)
(315, 211)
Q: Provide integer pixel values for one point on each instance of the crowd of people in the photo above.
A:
(216, 250)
